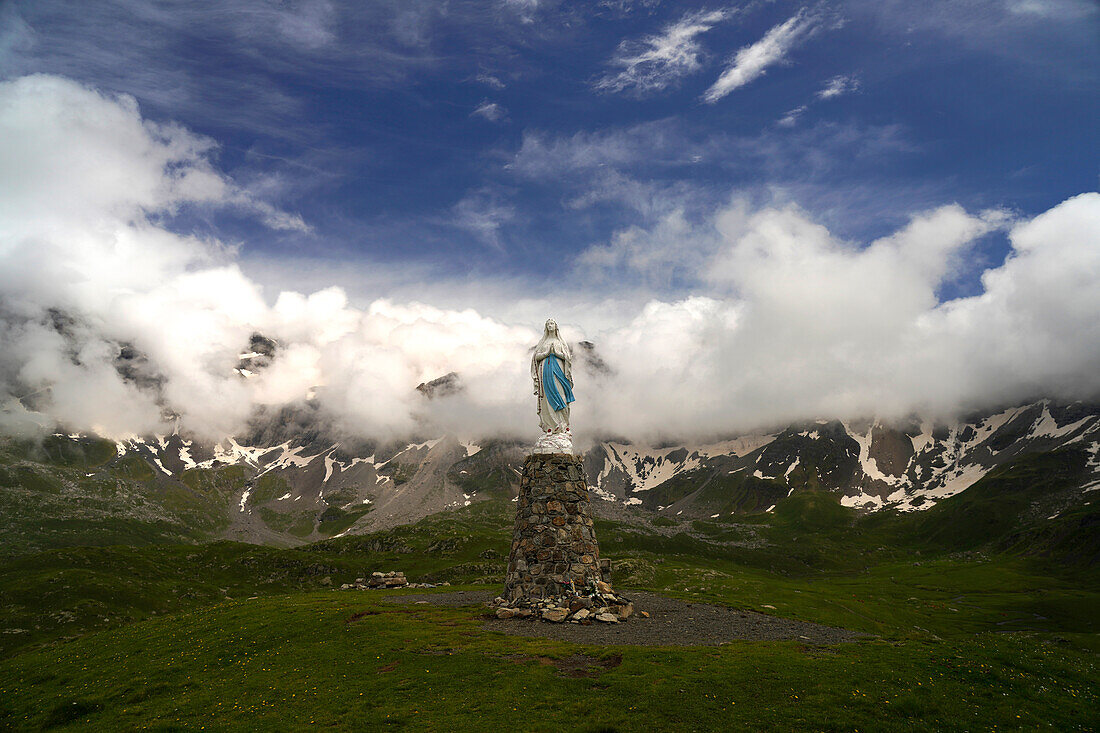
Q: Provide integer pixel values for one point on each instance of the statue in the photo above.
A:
(552, 372)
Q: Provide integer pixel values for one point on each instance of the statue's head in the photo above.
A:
(551, 327)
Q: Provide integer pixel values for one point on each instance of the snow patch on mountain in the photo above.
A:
(646, 468)
(1047, 426)
(869, 464)
(960, 479)
(862, 501)
(160, 466)
(924, 439)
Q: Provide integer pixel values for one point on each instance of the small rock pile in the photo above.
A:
(595, 603)
(393, 579)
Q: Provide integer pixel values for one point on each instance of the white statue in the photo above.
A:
(552, 371)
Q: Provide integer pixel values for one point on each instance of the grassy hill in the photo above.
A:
(982, 611)
(349, 661)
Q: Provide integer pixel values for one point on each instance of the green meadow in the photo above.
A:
(974, 622)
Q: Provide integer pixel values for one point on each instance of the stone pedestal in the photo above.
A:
(553, 541)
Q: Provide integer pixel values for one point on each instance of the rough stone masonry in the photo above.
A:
(554, 550)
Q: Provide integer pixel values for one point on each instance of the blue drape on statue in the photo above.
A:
(552, 376)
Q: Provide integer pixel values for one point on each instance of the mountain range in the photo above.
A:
(288, 482)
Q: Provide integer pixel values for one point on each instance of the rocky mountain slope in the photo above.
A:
(867, 465)
(286, 482)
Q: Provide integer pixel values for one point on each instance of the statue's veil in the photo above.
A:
(552, 342)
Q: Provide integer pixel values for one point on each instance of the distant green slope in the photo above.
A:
(1028, 506)
(64, 493)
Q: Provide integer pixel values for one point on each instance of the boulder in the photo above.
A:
(555, 615)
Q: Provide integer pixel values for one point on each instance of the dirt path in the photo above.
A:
(671, 623)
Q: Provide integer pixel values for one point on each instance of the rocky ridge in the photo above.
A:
(286, 481)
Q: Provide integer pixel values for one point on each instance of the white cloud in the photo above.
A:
(752, 61)
(490, 81)
(659, 256)
(782, 319)
(642, 166)
(799, 324)
(82, 177)
(525, 9)
(542, 155)
(656, 62)
(1055, 9)
(483, 214)
(837, 86)
(791, 118)
(624, 166)
(309, 24)
(490, 111)
(626, 7)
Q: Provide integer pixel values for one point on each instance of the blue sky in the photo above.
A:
(507, 137)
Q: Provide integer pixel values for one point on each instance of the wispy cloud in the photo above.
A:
(656, 62)
(621, 8)
(490, 81)
(1055, 38)
(835, 87)
(666, 147)
(490, 111)
(543, 155)
(1057, 9)
(751, 62)
(260, 54)
(483, 213)
(791, 118)
(525, 9)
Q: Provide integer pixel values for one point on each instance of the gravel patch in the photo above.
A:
(671, 623)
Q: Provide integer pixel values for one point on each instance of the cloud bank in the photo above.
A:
(111, 322)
